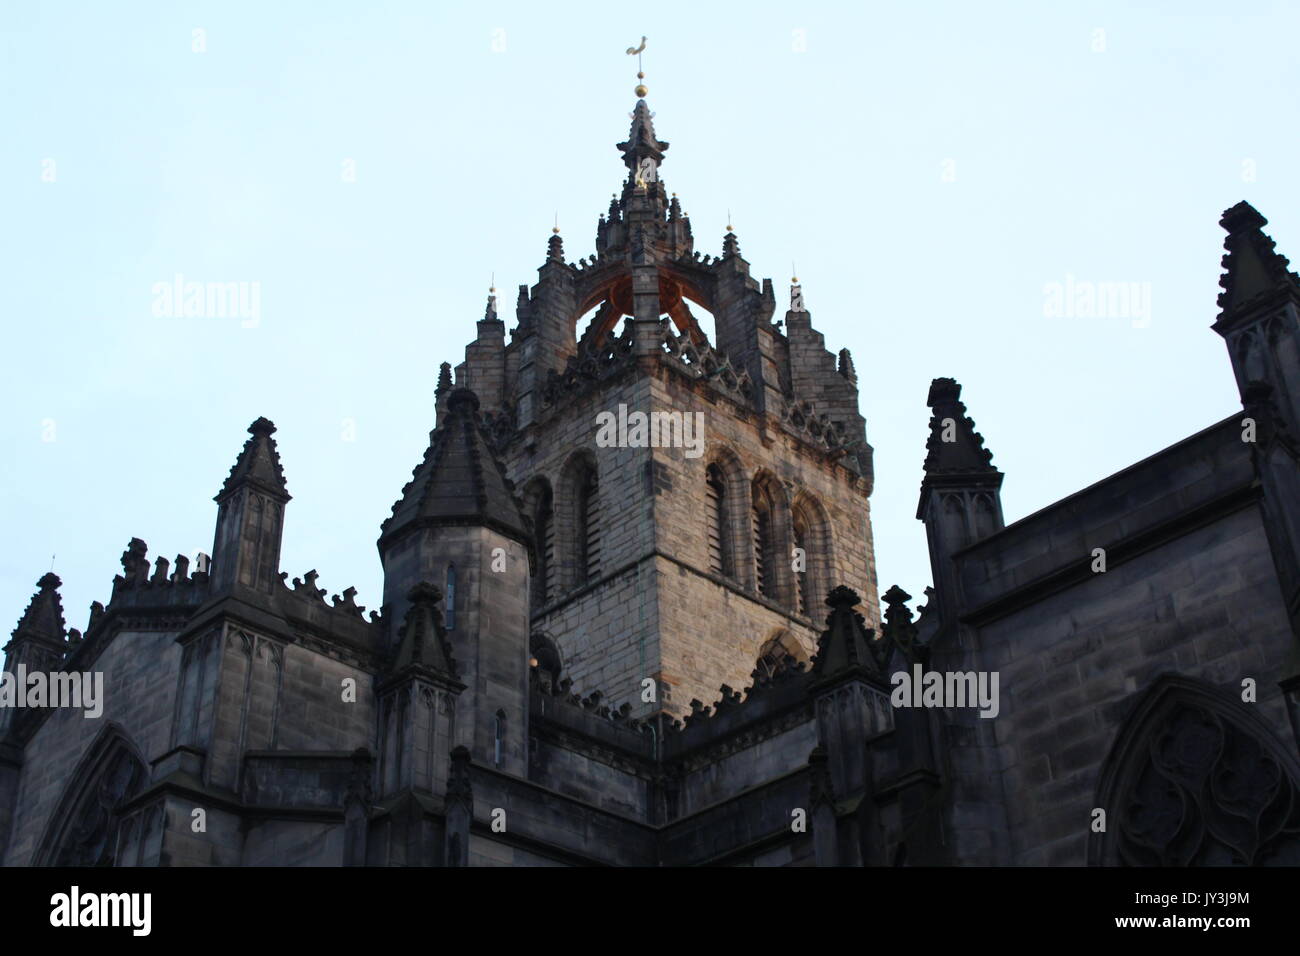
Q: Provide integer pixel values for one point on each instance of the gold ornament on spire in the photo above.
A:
(640, 90)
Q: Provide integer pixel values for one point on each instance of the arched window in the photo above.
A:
(811, 530)
(580, 521)
(777, 654)
(450, 600)
(540, 510)
(84, 827)
(1196, 778)
(717, 509)
(545, 661)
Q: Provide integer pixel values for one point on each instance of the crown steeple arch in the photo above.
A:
(572, 331)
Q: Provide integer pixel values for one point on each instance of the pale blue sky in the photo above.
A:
(225, 165)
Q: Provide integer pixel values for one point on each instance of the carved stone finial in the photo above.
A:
(135, 565)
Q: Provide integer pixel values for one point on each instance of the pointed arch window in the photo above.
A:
(1196, 778)
(811, 532)
(84, 827)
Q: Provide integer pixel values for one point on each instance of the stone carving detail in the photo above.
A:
(590, 367)
(501, 425)
(700, 360)
(803, 420)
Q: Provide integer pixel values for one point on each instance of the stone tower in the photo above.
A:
(457, 529)
(674, 558)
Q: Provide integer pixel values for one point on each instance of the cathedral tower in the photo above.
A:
(693, 498)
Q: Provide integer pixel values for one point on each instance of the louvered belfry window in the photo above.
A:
(764, 557)
(719, 534)
(587, 533)
(803, 579)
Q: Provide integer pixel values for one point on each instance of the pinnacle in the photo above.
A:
(642, 142)
(845, 645)
(954, 447)
(1253, 266)
(258, 464)
(43, 619)
(421, 638)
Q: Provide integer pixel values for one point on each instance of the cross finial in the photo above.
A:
(640, 90)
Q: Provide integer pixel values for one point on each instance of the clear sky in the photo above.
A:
(931, 168)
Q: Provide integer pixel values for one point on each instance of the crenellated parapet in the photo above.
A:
(588, 722)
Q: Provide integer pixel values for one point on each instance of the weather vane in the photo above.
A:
(638, 50)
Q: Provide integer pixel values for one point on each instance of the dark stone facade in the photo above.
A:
(555, 611)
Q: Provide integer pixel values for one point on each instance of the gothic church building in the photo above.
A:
(629, 653)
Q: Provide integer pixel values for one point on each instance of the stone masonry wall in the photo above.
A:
(1205, 606)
